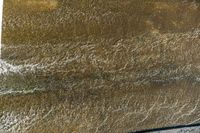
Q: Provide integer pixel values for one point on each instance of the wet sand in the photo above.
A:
(99, 66)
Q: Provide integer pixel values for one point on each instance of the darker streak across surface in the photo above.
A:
(99, 66)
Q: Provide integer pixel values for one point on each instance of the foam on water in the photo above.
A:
(6, 68)
(12, 91)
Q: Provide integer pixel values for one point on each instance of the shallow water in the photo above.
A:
(99, 66)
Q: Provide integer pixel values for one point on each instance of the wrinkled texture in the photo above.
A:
(99, 66)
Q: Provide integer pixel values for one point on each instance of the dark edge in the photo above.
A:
(166, 128)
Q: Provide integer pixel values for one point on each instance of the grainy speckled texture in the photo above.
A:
(99, 66)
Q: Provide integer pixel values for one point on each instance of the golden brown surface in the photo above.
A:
(99, 66)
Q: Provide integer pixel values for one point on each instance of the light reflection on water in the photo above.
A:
(99, 66)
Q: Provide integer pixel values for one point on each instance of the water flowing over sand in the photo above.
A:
(99, 66)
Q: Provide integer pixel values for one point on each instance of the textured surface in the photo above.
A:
(99, 66)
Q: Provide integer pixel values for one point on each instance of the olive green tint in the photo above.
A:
(99, 66)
